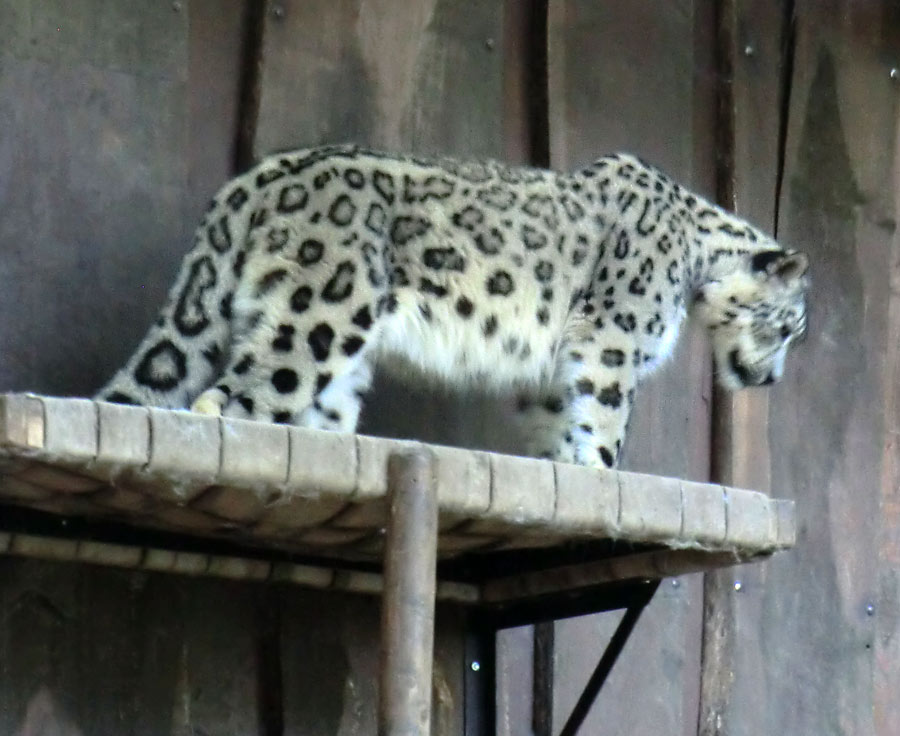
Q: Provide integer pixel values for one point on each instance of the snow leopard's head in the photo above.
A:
(754, 314)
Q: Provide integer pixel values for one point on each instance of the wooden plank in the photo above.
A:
(638, 76)
(444, 87)
(515, 685)
(78, 102)
(119, 122)
(451, 83)
(132, 107)
(652, 97)
(752, 41)
(215, 73)
(330, 665)
(810, 655)
(125, 652)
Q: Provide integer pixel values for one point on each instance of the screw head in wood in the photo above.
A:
(489, 44)
(176, 6)
(895, 73)
(749, 50)
(278, 12)
(476, 666)
(738, 586)
(870, 610)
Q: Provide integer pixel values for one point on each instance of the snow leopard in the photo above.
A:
(569, 289)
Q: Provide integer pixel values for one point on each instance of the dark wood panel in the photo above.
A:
(93, 191)
(327, 76)
(216, 38)
(329, 648)
(442, 88)
(639, 76)
(107, 156)
(753, 38)
(123, 652)
(809, 657)
(430, 76)
(515, 681)
(118, 123)
(628, 77)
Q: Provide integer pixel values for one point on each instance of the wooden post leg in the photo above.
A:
(407, 615)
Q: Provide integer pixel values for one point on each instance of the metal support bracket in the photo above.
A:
(481, 652)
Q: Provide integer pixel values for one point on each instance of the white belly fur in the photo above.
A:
(456, 352)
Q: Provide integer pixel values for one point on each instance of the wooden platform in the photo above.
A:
(309, 506)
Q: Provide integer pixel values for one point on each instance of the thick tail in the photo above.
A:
(184, 349)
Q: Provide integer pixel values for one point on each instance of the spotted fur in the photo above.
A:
(570, 288)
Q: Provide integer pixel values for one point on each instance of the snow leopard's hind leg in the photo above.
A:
(309, 372)
(301, 351)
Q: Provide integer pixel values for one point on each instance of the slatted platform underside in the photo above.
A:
(312, 492)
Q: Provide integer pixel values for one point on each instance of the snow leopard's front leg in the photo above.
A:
(582, 416)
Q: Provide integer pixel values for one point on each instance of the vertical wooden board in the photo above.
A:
(886, 608)
(216, 37)
(221, 682)
(429, 77)
(90, 186)
(118, 122)
(125, 652)
(84, 646)
(98, 156)
(638, 76)
(654, 685)
(424, 76)
(330, 665)
(628, 77)
(825, 666)
(515, 685)
(755, 34)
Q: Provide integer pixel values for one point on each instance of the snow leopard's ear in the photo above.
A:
(789, 267)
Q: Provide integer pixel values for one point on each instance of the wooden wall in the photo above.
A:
(809, 644)
(608, 92)
(119, 118)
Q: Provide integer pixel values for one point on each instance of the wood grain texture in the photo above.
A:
(638, 76)
(752, 37)
(107, 155)
(123, 652)
(447, 86)
(430, 76)
(810, 657)
(329, 650)
(118, 122)
(407, 607)
(515, 683)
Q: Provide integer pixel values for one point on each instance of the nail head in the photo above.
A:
(738, 586)
(475, 666)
